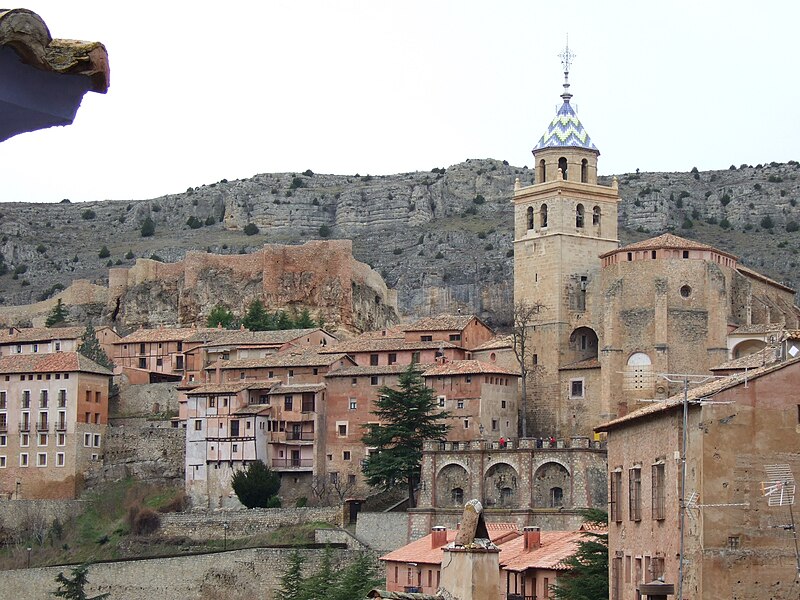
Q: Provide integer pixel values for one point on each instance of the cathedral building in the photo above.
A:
(611, 321)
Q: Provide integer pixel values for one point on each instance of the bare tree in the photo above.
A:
(525, 314)
(321, 488)
(343, 484)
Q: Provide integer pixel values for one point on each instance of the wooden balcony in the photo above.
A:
(292, 464)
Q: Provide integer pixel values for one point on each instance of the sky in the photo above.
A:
(202, 91)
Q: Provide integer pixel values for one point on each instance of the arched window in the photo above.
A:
(579, 215)
(457, 495)
(562, 164)
(543, 216)
(596, 215)
(584, 171)
(556, 497)
(542, 172)
(530, 217)
(639, 372)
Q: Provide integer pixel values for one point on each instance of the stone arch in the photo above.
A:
(584, 171)
(583, 344)
(530, 217)
(451, 478)
(548, 476)
(746, 347)
(562, 166)
(543, 215)
(501, 486)
(579, 215)
(639, 374)
(596, 215)
(542, 171)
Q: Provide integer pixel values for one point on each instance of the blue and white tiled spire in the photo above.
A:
(565, 130)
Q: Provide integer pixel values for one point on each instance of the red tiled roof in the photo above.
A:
(259, 338)
(761, 358)
(56, 362)
(697, 393)
(391, 332)
(667, 240)
(374, 370)
(40, 334)
(467, 367)
(496, 343)
(165, 334)
(555, 547)
(420, 551)
(386, 345)
(283, 388)
(441, 323)
(587, 363)
(287, 358)
(221, 388)
(756, 275)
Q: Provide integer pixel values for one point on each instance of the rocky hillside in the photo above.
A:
(442, 238)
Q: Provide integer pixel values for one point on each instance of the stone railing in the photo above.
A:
(513, 444)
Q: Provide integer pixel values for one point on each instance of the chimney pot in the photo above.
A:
(532, 537)
(438, 536)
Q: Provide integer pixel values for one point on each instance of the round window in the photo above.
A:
(686, 291)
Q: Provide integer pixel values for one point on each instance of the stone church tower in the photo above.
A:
(562, 224)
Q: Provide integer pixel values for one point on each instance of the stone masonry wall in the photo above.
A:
(234, 575)
(383, 531)
(202, 525)
(137, 400)
(27, 514)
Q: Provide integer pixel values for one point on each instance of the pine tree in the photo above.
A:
(256, 317)
(57, 316)
(292, 579)
(91, 349)
(256, 485)
(220, 316)
(72, 588)
(587, 578)
(320, 584)
(304, 321)
(408, 417)
(356, 580)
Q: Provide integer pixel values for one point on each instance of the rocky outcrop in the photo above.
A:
(441, 239)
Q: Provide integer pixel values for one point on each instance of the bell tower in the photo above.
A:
(562, 224)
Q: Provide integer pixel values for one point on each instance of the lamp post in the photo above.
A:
(225, 533)
(29, 556)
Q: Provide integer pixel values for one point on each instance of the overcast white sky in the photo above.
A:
(202, 91)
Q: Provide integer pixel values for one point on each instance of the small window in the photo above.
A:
(426, 338)
(459, 404)
(287, 402)
(415, 356)
(653, 254)
(502, 404)
(41, 459)
(373, 360)
(530, 218)
(159, 362)
(658, 490)
(635, 494)
(733, 542)
(353, 404)
(87, 440)
(235, 448)
(576, 388)
(198, 425)
(579, 216)
(346, 455)
(342, 430)
(392, 358)
(291, 372)
(466, 423)
(457, 495)
(455, 337)
(686, 291)
(596, 215)
(351, 479)
(2, 462)
(441, 401)
(96, 440)
(59, 459)
(685, 254)
(373, 380)
(495, 425)
(23, 459)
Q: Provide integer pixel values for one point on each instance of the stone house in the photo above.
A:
(499, 350)
(466, 331)
(735, 545)
(53, 417)
(41, 340)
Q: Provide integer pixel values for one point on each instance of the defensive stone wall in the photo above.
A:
(233, 575)
(383, 531)
(204, 525)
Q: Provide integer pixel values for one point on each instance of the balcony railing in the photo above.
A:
(299, 436)
(25, 427)
(520, 597)
(3, 427)
(292, 463)
(61, 426)
(42, 426)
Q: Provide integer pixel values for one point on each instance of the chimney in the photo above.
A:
(218, 373)
(533, 538)
(438, 536)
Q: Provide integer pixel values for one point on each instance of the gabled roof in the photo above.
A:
(386, 345)
(245, 337)
(565, 131)
(165, 334)
(40, 334)
(668, 241)
(213, 389)
(467, 367)
(498, 342)
(287, 358)
(56, 362)
(441, 323)
(283, 388)
(756, 275)
(757, 328)
(374, 370)
(420, 550)
(765, 356)
(555, 547)
(697, 393)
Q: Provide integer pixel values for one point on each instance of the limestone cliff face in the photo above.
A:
(321, 276)
(442, 239)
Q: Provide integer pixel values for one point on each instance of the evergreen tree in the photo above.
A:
(321, 583)
(256, 317)
(304, 321)
(357, 579)
(72, 588)
(587, 578)
(220, 316)
(408, 417)
(256, 485)
(292, 579)
(91, 349)
(57, 316)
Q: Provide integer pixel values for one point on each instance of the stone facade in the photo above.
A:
(152, 454)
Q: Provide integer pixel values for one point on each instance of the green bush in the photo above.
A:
(104, 252)
(210, 220)
(129, 255)
(324, 231)
(479, 199)
(297, 182)
(251, 229)
(725, 199)
(792, 226)
(148, 227)
(767, 223)
(724, 223)
(687, 224)
(88, 214)
(256, 485)
(302, 501)
(194, 223)
(397, 251)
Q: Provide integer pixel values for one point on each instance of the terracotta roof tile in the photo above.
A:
(757, 328)
(259, 338)
(467, 367)
(756, 275)
(287, 358)
(555, 547)
(496, 343)
(441, 323)
(55, 362)
(765, 356)
(165, 334)
(420, 550)
(40, 334)
(702, 391)
(221, 388)
(386, 345)
(299, 388)
(391, 332)
(588, 363)
(670, 241)
(374, 370)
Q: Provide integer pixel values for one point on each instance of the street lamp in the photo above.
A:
(29, 556)
(225, 539)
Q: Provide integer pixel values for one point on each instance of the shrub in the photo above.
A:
(156, 257)
(308, 173)
(273, 502)
(683, 194)
(792, 226)
(509, 253)
(679, 202)
(774, 179)
(439, 255)
(695, 214)
(20, 269)
(732, 168)
(687, 224)
(488, 247)
(104, 252)
(302, 501)
(250, 229)
(194, 223)
(88, 214)
(297, 182)
(767, 223)
(256, 485)
(129, 255)
(324, 231)
(41, 249)
(711, 220)
(145, 521)
(725, 200)
(210, 220)
(724, 223)
(148, 227)
(178, 503)
(397, 251)
(479, 199)
(155, 208)
(757, 187)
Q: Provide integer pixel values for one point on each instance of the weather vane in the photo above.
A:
(566, 56)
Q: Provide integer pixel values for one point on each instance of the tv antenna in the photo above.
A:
(779, 490)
